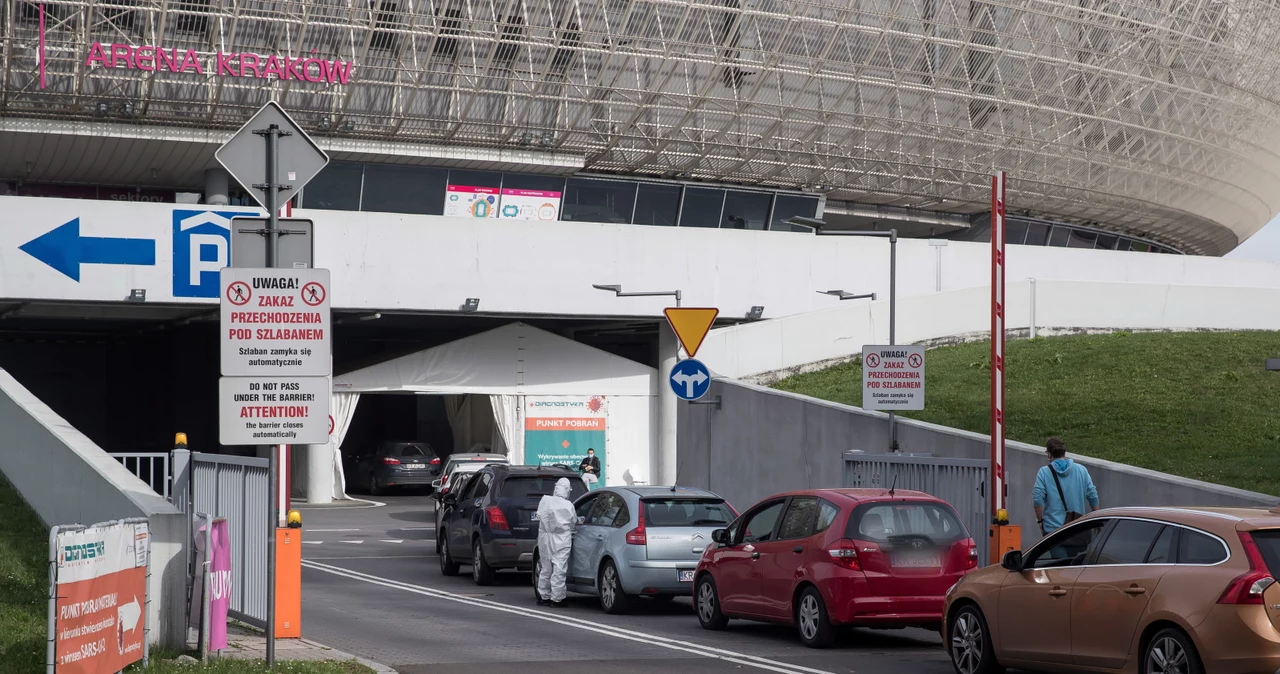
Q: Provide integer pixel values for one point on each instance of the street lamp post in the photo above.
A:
(819, 229)
(668, 356)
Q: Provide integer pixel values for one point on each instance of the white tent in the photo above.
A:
(523, 370)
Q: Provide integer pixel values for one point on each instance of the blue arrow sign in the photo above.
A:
(65, 250)
(690, 379)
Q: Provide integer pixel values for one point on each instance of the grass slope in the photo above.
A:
(1198, 405)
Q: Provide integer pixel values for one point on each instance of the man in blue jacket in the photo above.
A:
(1064, 491)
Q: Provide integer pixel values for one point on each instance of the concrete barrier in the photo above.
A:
(67, 479)
(761, 441)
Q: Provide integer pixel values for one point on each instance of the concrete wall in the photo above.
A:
(761, 442)
(792, 344)
(534, 268)
(69, 480)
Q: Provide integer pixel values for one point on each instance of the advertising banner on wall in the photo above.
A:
(99, 616)
(465, 201)
(560, 429)
(530, 205)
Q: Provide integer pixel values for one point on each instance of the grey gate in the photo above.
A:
(960, 482)
(237, 488)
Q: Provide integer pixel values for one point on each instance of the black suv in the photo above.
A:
(491, 523)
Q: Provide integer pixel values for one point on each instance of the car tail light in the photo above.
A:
(637, 536)
(391, 461)
(497, 520)
(971, 562)
(435, 461)
(1248, 588)
(845, 554)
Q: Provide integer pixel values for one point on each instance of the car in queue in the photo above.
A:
(492, 523)
(393, 464)
(825, 559)
(638, 541)
(1135, 590)
(455, 467)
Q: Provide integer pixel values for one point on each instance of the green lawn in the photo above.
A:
(24, 579)
(1193, 404)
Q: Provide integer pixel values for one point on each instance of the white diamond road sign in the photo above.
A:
(275, 322)
(298, 158)
(892, 378)
(273, 410)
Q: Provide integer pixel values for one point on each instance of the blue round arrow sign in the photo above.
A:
(690, 379)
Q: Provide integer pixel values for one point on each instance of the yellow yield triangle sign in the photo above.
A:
(691, 326)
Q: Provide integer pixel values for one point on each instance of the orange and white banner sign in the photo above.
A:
(102, 597)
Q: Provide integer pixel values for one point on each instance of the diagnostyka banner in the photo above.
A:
(219, 584)
(99, 616)
(560, 429)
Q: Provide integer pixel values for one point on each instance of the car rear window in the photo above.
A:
(883, 521)
(410, 451)
(541, 485)
(1268, 541)
(686, 512)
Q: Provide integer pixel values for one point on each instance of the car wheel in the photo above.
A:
(481, 572)
(612, 599)
(970, 649)
(1171, 651)
(448, 567)
(374, 489)
(812, 620)
(707, 602)
(537, 571)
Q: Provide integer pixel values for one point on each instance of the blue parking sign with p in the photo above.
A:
(201, 247)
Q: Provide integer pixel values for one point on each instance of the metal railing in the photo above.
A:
(238, 489)
(960, 482)
(150, 467)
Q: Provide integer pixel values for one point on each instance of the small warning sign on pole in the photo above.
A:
(273, 410)
(892, 378)
(276, 322)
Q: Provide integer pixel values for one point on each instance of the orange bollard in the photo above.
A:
(288, 583)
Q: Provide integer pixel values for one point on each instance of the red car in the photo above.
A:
(827, 558)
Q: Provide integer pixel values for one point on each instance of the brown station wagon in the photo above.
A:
(1133, 590)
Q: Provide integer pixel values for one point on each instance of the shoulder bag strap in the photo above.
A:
(1061, 496)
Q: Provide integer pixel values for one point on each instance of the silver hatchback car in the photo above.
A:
(641, 541)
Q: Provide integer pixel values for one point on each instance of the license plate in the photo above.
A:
(413, 465)
(686, 576)
(917, 562)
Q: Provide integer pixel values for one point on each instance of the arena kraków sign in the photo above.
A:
(221, 64)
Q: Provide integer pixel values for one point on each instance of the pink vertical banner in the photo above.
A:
(219, 584)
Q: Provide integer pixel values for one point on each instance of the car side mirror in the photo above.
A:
(435, 484)
(720, 536)
(1012, 560)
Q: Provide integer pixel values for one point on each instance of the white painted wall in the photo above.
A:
(430, 263)
(793, 342)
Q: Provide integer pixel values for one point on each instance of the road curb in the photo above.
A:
(342, 655)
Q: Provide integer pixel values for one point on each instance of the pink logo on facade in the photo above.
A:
(222, 64)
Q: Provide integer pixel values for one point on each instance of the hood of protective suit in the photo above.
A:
(562, 488)
(1061, 466)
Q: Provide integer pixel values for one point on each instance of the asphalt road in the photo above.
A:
(372, 587)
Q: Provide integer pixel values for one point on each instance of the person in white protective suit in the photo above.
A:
(556, 521)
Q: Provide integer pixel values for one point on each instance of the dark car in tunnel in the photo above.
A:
(393, 464)
(491, 523)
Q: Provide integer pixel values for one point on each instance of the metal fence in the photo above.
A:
(150, 467)
(960, 482)
(237, 488)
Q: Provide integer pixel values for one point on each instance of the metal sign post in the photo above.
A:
(246, 158)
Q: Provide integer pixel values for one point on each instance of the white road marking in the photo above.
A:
(352, 542)
(390, 540)
(576, 623)
(331, 530)
(413, 529)
(377, 557)
(313, 542)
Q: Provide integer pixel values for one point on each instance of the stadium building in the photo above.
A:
(517, 190)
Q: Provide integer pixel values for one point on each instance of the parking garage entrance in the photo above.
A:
(517, 390)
